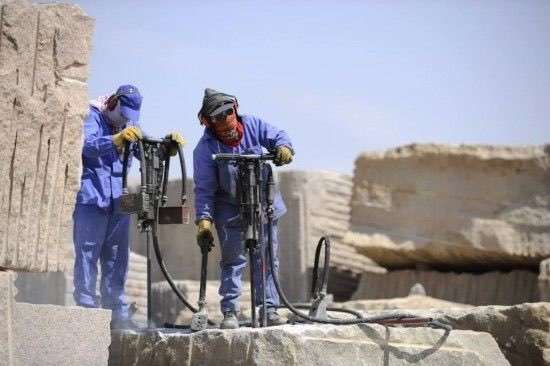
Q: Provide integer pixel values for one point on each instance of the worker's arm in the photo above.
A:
(276, 141)
(96, 144)
(272, 137)
(206, 182)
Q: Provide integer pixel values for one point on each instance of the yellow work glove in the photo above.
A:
(205, 238)
(130, 134)
(176, 140)
(283, 156)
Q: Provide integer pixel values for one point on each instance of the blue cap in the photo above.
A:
(130, 102)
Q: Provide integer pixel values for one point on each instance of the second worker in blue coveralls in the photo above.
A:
(216, 197)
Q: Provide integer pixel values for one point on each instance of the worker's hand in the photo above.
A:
(205, 238)
(176, 139)
(130, 134)
(283, 155)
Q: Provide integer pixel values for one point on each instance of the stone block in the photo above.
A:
(7, 309)
(32, 334)
(55, 335)
(307, 345)
(461, 206)
(44, 55)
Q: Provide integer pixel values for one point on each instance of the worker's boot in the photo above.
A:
(230, 320)
(273, 318)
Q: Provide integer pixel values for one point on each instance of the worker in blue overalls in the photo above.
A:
(216, 198)
(100, 231)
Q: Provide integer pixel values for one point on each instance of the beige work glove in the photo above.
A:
(283, 155)
(176, 140)
(130, 134)
(205, 238)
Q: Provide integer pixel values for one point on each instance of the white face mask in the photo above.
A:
(115, 117)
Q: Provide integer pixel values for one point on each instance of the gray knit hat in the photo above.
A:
(215, 102)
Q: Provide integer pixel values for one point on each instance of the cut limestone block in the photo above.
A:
(48, 334)
(7, 309)
(495, 287)
(454, 206)
(57, 335)
(307, 345)
(44, 55)
(521, 331)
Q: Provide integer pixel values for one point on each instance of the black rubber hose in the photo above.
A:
(163, 195)
(142, 171)
(125, 158)
(315, 290)
(183, 175)
(307, 305)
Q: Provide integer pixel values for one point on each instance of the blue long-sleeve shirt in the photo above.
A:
(101, 181)
(215, 181)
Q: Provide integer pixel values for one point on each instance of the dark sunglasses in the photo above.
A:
(220, 117)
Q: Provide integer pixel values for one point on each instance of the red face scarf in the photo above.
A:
(230, 131)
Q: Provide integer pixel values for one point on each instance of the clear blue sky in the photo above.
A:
(340, 77)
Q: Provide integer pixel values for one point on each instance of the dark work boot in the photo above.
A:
(273, 318)
(230, 320)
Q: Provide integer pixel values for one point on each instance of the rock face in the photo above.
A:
(307, 345)
(52, 335)
(459, 206)
(521, 331)
(44, 55)
(502, 288)
(33, 334)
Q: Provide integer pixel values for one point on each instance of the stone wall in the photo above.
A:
(465, 206)
(44, 55)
